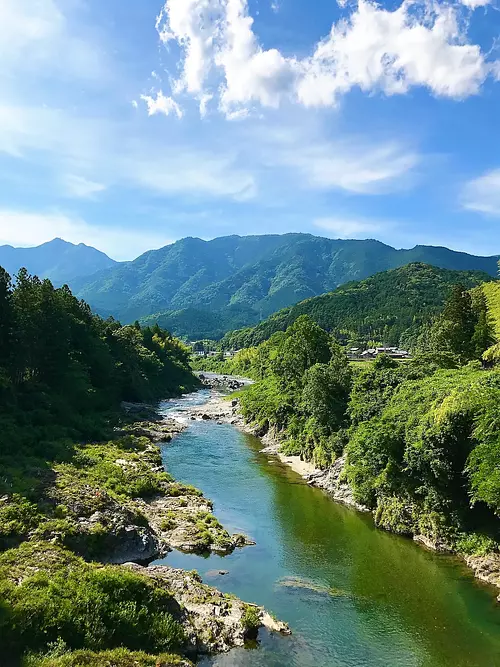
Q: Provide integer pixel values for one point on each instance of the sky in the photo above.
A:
(128, 124)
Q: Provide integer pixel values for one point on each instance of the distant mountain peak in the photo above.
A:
(59, 260)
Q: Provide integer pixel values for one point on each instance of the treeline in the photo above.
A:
(420, 439)
(63, 374)
(62, 369)
(390, 308)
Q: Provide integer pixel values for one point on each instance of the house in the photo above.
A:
(392, 352)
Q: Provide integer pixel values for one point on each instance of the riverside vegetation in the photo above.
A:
(416, 442)
(82, 487)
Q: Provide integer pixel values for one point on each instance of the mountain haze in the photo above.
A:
(57, 260)
(241, 280)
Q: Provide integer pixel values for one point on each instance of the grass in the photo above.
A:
(120, 657)
(49, 595)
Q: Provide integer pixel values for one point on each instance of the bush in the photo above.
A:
(85, 606)
(251, 621)
(116, 658)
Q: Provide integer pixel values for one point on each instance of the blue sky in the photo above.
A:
(128, 124)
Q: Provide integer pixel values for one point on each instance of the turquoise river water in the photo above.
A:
(353, 595)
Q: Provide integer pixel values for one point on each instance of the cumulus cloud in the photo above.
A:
(22, 228)
(374, 49)
(474, 4)
(483, 194)
(161, 104)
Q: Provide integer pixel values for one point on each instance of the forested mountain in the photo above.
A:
(247, 278)
(59, 261)
(386, 307)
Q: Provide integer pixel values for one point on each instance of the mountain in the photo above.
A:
(58, 260)
(256, 274)
(389, 307)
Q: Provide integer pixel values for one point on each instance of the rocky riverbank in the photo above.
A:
(175, 516)
(486, 568)
(213, 621)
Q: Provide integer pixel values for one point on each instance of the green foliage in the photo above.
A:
(464, 329)
(64, 371)
(251, 620)
(119, 657)
(201, 289)
(390, 307)
(420, 438)
(85, 606)
(304, 390)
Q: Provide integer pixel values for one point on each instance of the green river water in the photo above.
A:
(353, 595)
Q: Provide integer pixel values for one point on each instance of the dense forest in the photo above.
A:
(389, 308)
(63, 374)
(235, 281)
(419, 439)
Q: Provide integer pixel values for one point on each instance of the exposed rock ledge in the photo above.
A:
(334, 483)
(486, 568)
(214, 622)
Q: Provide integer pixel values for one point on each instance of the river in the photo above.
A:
(353, 595)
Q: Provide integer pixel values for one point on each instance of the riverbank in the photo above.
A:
(485, 567)
(107, 508)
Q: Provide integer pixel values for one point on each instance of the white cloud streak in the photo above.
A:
(37, 38)
(347, 228)
(418, 44)
(352, 166)
(81, 187)
(483, 194)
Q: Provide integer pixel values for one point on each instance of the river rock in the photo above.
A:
(486, 568)
(333, 482)
(213, 621)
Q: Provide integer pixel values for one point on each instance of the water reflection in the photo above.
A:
(354, 596)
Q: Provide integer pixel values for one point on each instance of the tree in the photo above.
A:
(304, 345)
(326, 391)
(454, 330)
(5, 317)
(484, 336)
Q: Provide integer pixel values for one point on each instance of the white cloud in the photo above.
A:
(346, 228)
(108, 152)
(81, 187)
(192, 24)
(195, 173)
(36, 36)
(474, 4)
(20, 228)
(350, 164)
(483, 194)
(416, 44)
(162, 104)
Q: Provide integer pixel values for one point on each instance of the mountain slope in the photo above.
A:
(259, 273)
(58, 260)
(386, 307)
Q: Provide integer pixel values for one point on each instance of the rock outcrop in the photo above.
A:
(214, 622)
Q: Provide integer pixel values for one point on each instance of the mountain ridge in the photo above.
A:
(390, 307)
(58, 260)
(260, 273)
